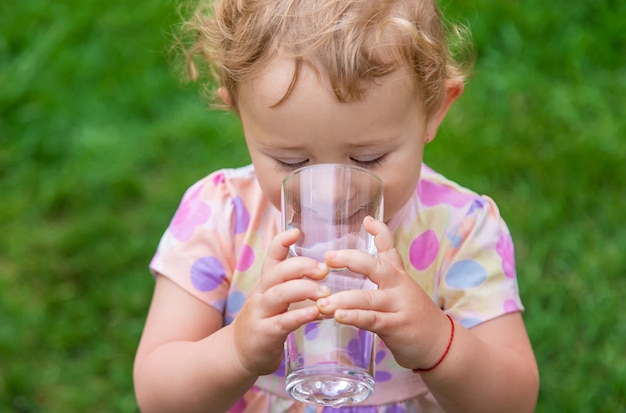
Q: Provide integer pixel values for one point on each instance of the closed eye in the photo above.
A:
(370, 163)
(290, 166)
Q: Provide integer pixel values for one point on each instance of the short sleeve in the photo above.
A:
(478, 278)
(196, 250)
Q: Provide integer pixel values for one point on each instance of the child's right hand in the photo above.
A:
(262, 325)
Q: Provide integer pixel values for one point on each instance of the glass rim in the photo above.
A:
(334, 166)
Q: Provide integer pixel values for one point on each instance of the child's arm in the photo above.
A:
(490, 368)
(188, 362)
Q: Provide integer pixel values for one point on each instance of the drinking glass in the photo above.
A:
(328, 363)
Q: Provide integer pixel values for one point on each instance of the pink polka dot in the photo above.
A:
(239, 407)
(431, 193)
(510, 306)
(219, 179)
(423, 250)
(504, 248)
(246, 258)
(191, 213)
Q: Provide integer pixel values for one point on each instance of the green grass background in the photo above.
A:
(99, 139)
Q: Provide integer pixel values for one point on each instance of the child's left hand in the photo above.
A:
(412, 326)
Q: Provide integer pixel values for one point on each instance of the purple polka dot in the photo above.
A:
(466, 274)
(477, 204)
(394, 408)
(511, 306)
(381, 376)
(280, 372)
(380, 356)
(246, 258)
(242, 216)
(431, 193)
(349, 409)
(423, 250)
(207, 274)
(311, 330)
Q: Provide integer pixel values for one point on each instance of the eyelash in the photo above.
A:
(373, 163)
(283, 166)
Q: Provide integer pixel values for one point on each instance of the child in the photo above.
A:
(334, 81)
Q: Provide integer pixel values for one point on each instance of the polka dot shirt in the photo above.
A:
(453, 241)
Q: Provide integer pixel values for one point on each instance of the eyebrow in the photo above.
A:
(373, 142)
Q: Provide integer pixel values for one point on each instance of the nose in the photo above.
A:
(327, 192)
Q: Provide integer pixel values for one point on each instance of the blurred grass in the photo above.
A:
(98, 141)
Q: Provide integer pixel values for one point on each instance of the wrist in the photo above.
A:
(445, 351)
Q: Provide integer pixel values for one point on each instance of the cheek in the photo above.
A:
(271, 186)
(398, 192)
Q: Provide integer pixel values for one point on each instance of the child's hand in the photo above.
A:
(263, 323)
(400, 312)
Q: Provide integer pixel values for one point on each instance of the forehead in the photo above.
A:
(312, 110)
(281, 78)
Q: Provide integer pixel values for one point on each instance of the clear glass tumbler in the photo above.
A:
(328, 363)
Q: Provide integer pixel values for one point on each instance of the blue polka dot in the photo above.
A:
(470, 322)
(454, 237)
(233, 305)
(466, 274)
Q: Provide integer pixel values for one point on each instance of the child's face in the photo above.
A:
(385, 133)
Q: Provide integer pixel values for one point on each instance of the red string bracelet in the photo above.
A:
(445, 353)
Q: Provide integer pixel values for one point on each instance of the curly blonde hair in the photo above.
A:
(352, 42)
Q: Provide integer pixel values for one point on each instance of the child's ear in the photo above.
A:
(454, 89)
(223, 94)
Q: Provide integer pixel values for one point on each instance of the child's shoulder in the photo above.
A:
(225, 186)
(231, 180)
(435, 188)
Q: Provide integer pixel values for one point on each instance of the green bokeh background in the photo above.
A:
(99, 139)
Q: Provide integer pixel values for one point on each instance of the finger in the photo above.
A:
(384, 241)
(374, 300)
(356, 261)
(291, 269)
(279, 298)
(362, 319)
(289, 321)
(279, 246)
(383, 237)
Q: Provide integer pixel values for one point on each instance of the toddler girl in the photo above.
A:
(359, 82)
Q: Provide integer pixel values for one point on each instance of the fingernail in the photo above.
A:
(311, 311)
(324, 290)
(322, 302)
